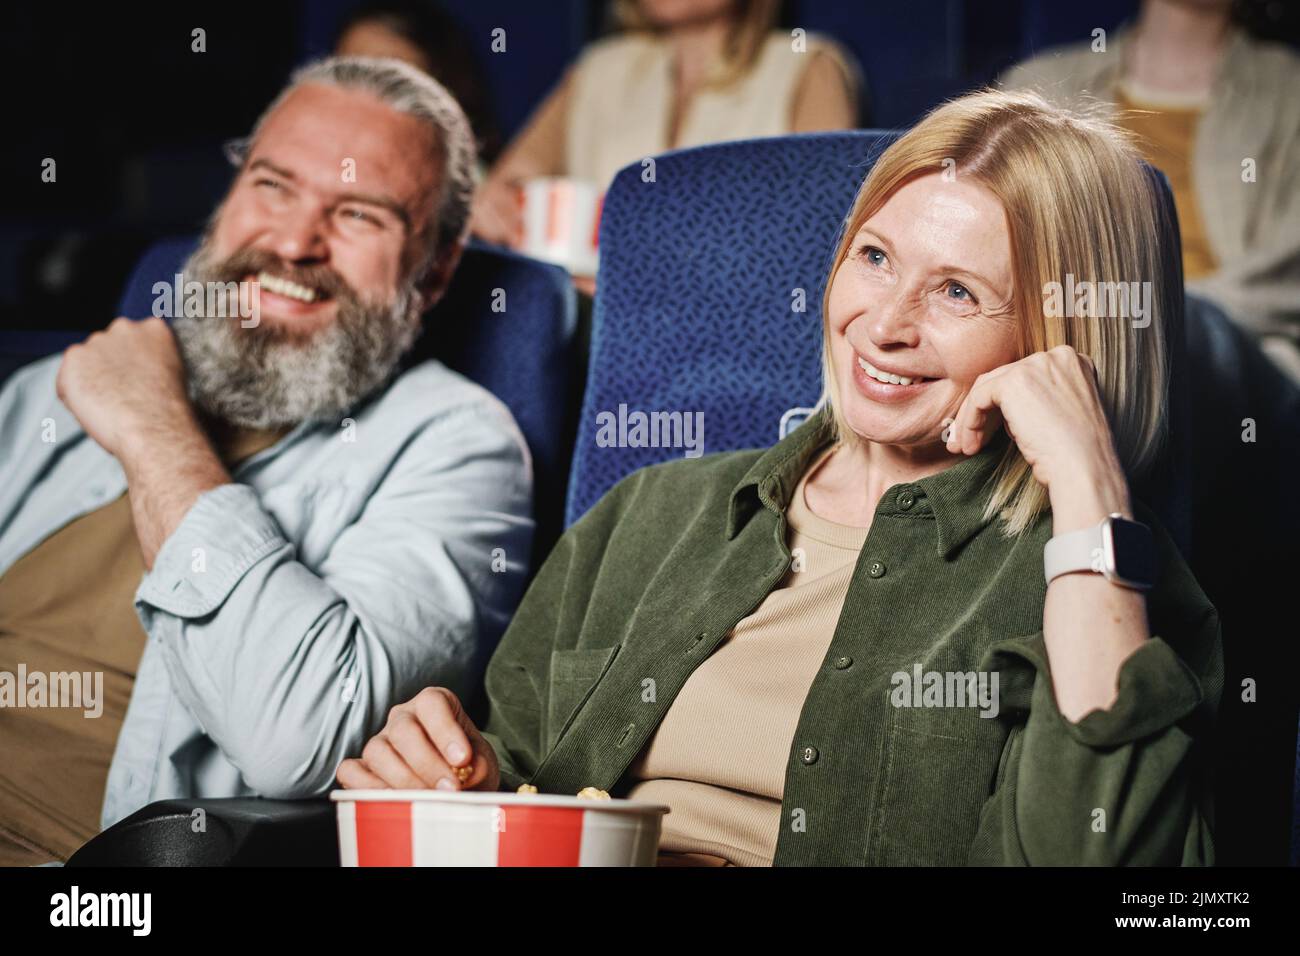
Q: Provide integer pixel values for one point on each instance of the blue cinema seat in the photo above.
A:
(19, 347)
(709, 300)
(524, 354)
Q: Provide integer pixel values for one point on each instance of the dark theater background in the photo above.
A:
(137, 120)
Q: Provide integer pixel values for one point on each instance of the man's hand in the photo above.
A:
(126, 385)
(421, 747)
(125, 381)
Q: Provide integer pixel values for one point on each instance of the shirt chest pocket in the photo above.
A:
(943, 765)
(574, 675)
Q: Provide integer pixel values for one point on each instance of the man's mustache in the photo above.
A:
(252, 261)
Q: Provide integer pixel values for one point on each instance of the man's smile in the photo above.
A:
(285, 299)
(285, 287)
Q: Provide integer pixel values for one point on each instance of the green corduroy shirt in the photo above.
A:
(642, 589)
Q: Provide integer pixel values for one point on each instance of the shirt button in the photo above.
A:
(876, 569)
(843, 663)
(906, 499)
(809, 755)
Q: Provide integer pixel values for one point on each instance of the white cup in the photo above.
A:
(561, 222)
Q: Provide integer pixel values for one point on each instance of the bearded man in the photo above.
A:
(256, 536)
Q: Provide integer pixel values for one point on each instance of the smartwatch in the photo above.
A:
(1120, 550)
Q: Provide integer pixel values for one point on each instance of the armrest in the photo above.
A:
(239, 831)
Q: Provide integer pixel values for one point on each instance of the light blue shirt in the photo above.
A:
(344, 569)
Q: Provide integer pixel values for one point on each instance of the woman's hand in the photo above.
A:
(496, 214)
(423, 744)
(1051, 408)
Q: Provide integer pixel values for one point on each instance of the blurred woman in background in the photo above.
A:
(1219, 113)
(680, 73)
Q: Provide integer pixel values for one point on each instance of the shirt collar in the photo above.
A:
(954, 498)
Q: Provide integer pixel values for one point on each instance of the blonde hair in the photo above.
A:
(1078, 202)
(752, 20)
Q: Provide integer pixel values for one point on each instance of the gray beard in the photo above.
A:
(266, 378)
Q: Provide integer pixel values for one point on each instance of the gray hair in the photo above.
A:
(413, 92)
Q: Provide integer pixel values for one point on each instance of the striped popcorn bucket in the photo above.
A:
(437, 828)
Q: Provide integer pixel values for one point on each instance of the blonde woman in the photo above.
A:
(921, 629)
(681, 73)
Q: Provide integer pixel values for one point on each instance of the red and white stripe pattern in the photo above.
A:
(416, 833)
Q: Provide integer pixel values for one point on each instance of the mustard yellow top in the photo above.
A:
(1166, 135)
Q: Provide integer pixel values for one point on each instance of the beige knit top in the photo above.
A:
(719, 756)
(622, 100)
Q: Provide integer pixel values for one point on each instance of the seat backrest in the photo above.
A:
(506, 322)
(709, 294)
(709, 301)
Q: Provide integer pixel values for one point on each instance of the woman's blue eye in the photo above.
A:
(959, 292)
(871, 252)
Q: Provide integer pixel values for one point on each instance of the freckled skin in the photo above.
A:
(894, 313)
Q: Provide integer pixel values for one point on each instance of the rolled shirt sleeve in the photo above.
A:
(290, 669)
(1129, 785)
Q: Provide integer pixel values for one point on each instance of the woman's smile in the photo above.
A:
(883, 385)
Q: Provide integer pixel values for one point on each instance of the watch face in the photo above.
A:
(1132, 551)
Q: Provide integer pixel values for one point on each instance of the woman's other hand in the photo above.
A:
(424, 743)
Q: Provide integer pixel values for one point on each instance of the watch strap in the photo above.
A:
(1074, 551)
